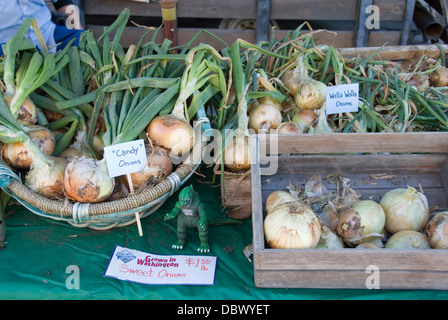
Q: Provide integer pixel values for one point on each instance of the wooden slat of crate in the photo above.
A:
(237, 9)
(339, 39)
(347, 268)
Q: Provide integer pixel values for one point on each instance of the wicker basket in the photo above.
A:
(108, 214)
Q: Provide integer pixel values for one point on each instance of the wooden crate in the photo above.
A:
(280, 10)
(235, 192)
(416, 159)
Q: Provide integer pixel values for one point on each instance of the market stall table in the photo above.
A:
(35, 263)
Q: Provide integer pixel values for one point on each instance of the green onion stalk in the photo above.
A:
(202, 78)
(35, 69)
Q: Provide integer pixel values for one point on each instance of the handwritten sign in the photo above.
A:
(147, 268)
(342, 98)
(125, 157)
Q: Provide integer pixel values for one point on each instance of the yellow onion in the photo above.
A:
(87, 180)
(406, 209)
(408, 239)
(264, 117)
(292, 80)
(364, 221)
(288, 127)
(437, 231)
(292, 226)
(172, 133)
(311, 95)
(159, 166)
(27, 113)
(439, 78)
(17, 156)
(420, 82)
(304, 119)
(237, 153)
(278, 198)
(46, 176)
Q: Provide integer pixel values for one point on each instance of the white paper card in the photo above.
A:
(342, 98)
(125, 157)
(147, 268)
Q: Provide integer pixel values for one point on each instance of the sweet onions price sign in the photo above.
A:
(342, 98)
(124, 158)
(147, 268)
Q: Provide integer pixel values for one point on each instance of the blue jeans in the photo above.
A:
(62, 35)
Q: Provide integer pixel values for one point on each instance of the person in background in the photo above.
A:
(14, 12)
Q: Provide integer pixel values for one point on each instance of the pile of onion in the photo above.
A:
(292, 225)
(405, 209)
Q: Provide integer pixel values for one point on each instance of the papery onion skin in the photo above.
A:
(406, 209)
(278, 198)
(86, 180)
(437, 231)
(171, 133)
(16, 155)
(47, 177)
(311, 95)
(264, 117)
(159, 166)
(408, 239)
(365, 217)
(270, 100)
(237, 154)
(292, 226)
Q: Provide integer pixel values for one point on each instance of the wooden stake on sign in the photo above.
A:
(137, 215)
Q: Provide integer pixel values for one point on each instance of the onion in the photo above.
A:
(292, 80)
(237, 153)
(439, 78)
(264, 117)
(87, 180)
(366, 219)
(278, 198)
(437, 231)
(406, 209)
(46, 176)
(288, 127)
(408, 239)
(304, 119)
(172, 133)
(292, 226)
(71, 153)
(27, 113)
(311, 95)
(158, 167)
(17, 156)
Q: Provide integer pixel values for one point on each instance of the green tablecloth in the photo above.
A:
(38, 251)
